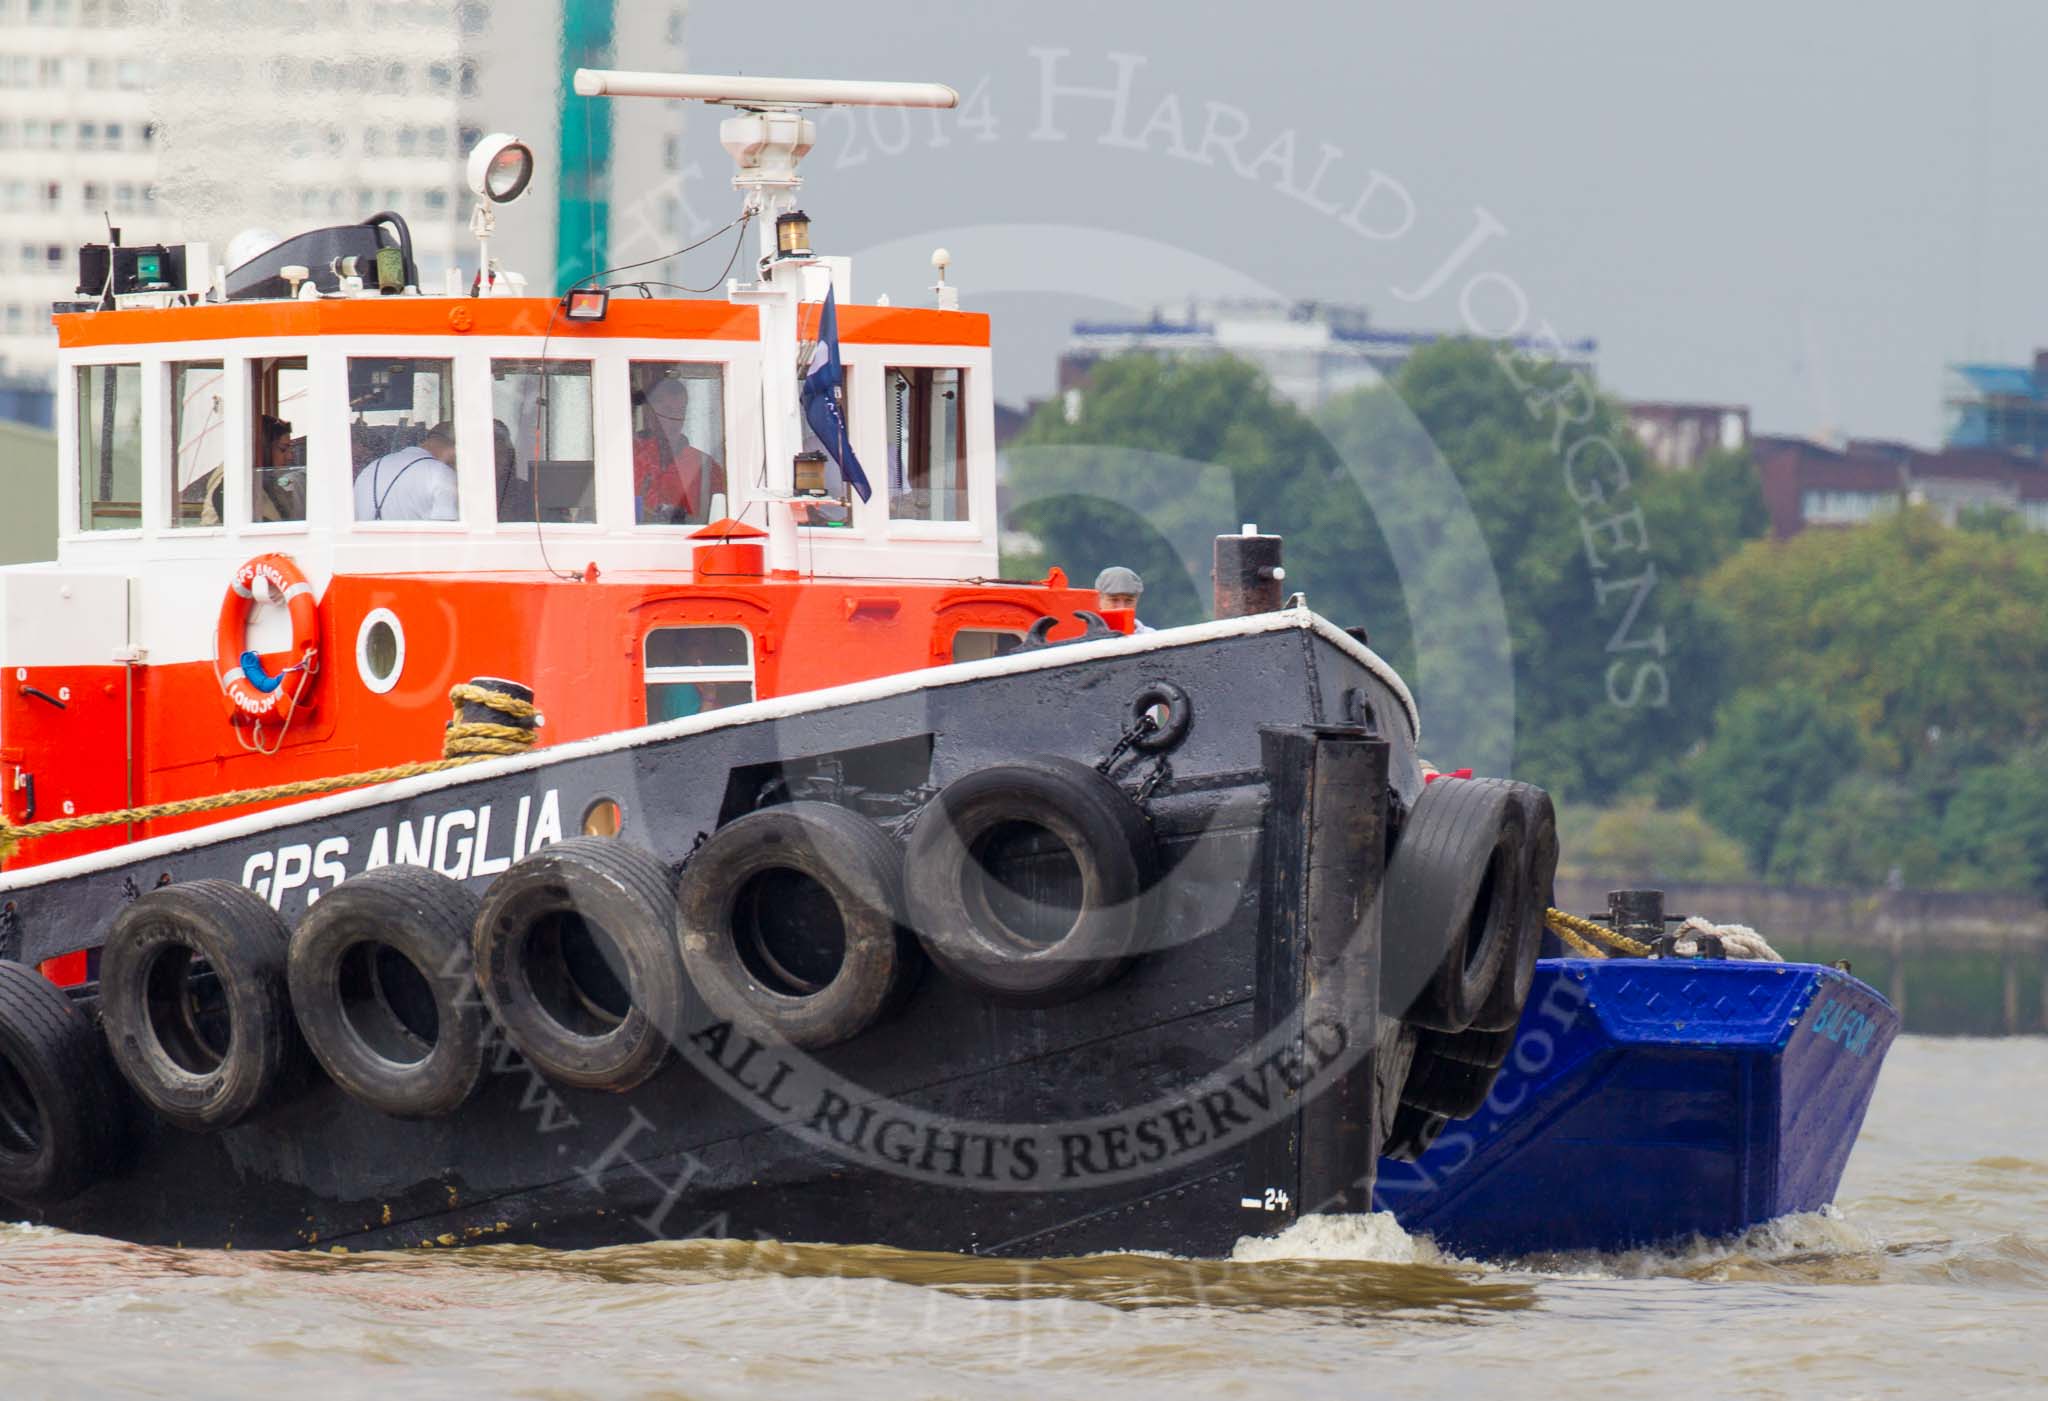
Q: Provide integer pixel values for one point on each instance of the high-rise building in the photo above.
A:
(196, 120)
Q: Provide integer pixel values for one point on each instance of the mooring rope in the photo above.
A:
(465, 742)
(1587, 937)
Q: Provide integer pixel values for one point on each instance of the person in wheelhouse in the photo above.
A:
(673, 480)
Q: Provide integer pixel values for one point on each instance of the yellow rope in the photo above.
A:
(1585, 936)
(464, 743)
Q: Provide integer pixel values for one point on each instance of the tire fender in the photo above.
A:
(542, 965)
(969, 921)
(362, 1024)
(729, 931)
(208, 1051)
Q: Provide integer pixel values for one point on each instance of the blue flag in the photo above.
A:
(821, 391)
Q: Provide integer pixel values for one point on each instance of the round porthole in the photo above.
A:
(603, 819)
(380, 650)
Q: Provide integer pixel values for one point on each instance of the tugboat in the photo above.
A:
(856, 893)
(812, 880)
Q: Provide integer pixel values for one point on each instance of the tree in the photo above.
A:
(1540, 620)
(1165, 455)
(1617, 665)
(1637, 840)
(1925, 638)
(1773, 750)
(1995, 831)
(1867, 830)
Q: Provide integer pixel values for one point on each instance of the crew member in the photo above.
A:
(1118, 587)
(673, 482)
(411, 484)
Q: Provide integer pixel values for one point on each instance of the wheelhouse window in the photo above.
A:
(280, 411)
(198, 444)
(543, 440)
(927, 445)
(691, 670)
(402, 439)
(109, 447)
(678, 441)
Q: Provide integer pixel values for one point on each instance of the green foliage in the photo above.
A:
(1617, 663)
(1846, 707)
(1923, 636)
(1167, 454)
(1864, 831)
(1773, 750)
(1995, 831)
(1637, 840)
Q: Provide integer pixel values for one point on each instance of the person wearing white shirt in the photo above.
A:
(411, 484)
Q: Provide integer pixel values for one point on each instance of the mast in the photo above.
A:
(767, 138)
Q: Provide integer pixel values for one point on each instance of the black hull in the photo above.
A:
(1224, 1085)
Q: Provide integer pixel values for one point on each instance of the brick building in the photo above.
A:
(1814, 484)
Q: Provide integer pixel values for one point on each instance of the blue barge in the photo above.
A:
(1653, 1100)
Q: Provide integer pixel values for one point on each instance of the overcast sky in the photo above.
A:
(1808, 208)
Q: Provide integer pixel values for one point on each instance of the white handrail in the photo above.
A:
(771, 92)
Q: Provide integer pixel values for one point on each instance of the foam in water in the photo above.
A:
(1807, 1241)
(1375, 1237)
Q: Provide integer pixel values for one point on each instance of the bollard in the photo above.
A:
(1248, 573)
(475, 712)
(1639, 914)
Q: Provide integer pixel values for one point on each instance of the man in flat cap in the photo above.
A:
(1118, 587)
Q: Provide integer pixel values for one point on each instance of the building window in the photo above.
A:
(408, 141)
(88, 136)
(60, 134)
(198, 444)
(53, 195)
(678, 440)
(92, 195)
(545, 458)
(691, 670)
(440, 77)
(927, 445)
(1846, 507)
(280, 408)
(394, 408)
(468, 74)
(98, 74)
(53, 257)
(435, 202)
(109, 447)
(113, 136)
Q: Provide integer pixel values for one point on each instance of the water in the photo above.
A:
(1932, 1277)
